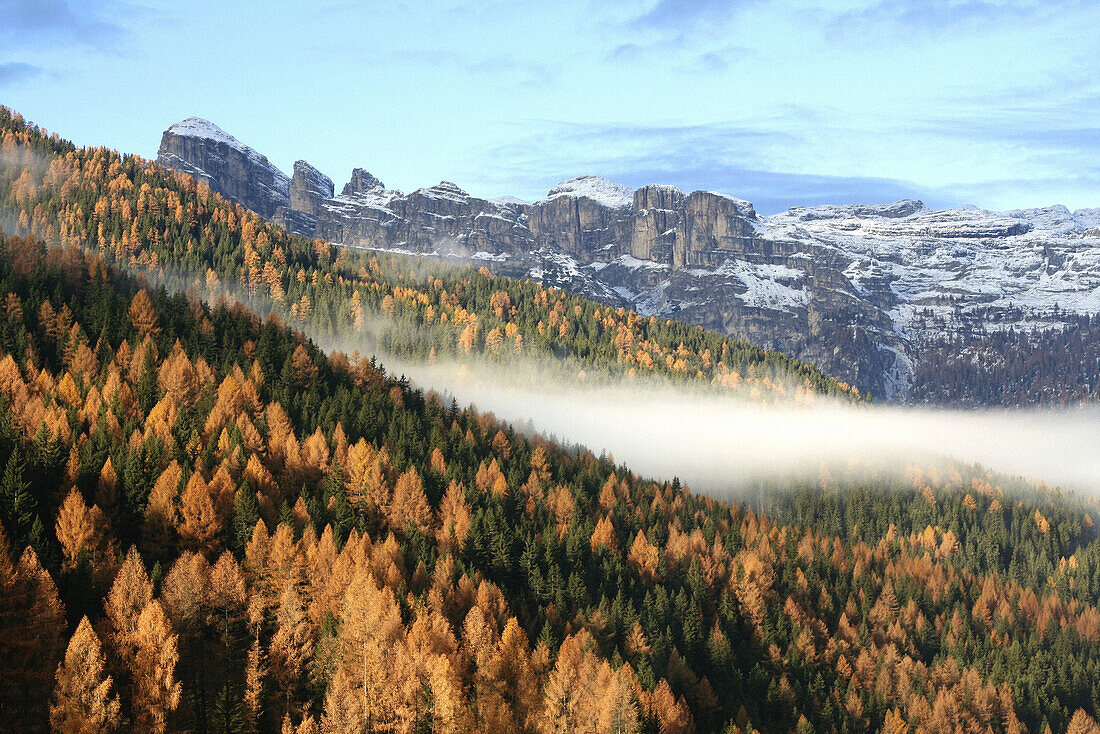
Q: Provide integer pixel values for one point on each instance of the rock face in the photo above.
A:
(227, 165)
(309, 188)
(853, 288)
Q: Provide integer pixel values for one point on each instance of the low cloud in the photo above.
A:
(720, 444)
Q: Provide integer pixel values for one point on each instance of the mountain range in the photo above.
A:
(894, 298)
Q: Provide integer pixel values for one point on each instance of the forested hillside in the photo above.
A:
(148, 218)
(211, 526)
(987, 366)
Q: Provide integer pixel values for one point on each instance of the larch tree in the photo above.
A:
(512, 666)
(1082, 723)
(291, 645)
(83, 700)
(569, 696)
(617, 712)
(184, 595)
(156, 692)
(409, 504)
(130, 594)
(38, 638)
(161, 513)
(143, 316)
(344, 706)
(84, 536)
(894, 723)
(199, 524)
(32, 620)
(371, 638)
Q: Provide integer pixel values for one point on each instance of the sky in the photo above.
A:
(986, 102)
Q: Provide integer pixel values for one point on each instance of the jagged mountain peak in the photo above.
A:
(855, 288)
(362, 181)
(201, 128)
(894, 210)
(202, 149)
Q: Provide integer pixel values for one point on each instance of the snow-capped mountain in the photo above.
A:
(856, 289)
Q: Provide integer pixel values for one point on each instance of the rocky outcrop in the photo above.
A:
(587, 217)
(851, 288)
(362, 182)
(309, 188)
(658, 211)
(714, 227)
(205, 151)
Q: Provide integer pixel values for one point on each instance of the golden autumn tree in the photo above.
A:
(454, 518)
(409, 505)
(894, 723)
(371, 639)
(291, 645)
(1082, 723)
(143, 316)
(33, 624)
(130, 594)
(85, 537)
(83, 700)
(156, 692)
(617, 712)
(161, 511)
(198, 520)
(570, 698)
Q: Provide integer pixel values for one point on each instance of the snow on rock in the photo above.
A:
(201, 149)
(197, 127)
(597, 188)
(509, 201)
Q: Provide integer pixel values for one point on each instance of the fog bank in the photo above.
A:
(718, 444)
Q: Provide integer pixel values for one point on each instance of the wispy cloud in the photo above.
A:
(681, 15)
(933, 15)
(728, 158)
(38, 23)
(17, 71)
(681, 51)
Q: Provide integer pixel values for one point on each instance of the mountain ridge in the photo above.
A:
(856, 289)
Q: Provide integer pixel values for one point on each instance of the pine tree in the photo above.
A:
(19, 507)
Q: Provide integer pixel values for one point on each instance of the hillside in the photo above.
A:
(210, 525)
(885, 297)
(258, 533)
(171, 226)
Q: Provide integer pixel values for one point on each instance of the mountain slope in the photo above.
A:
(872, 294)
(315, 541)
(174, 227)
(312, 541)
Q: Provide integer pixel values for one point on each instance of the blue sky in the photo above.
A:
(990, 102)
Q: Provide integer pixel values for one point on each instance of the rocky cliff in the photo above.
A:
(228, 166)
(852, 288)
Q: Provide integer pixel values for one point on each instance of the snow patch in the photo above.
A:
(602, 190)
